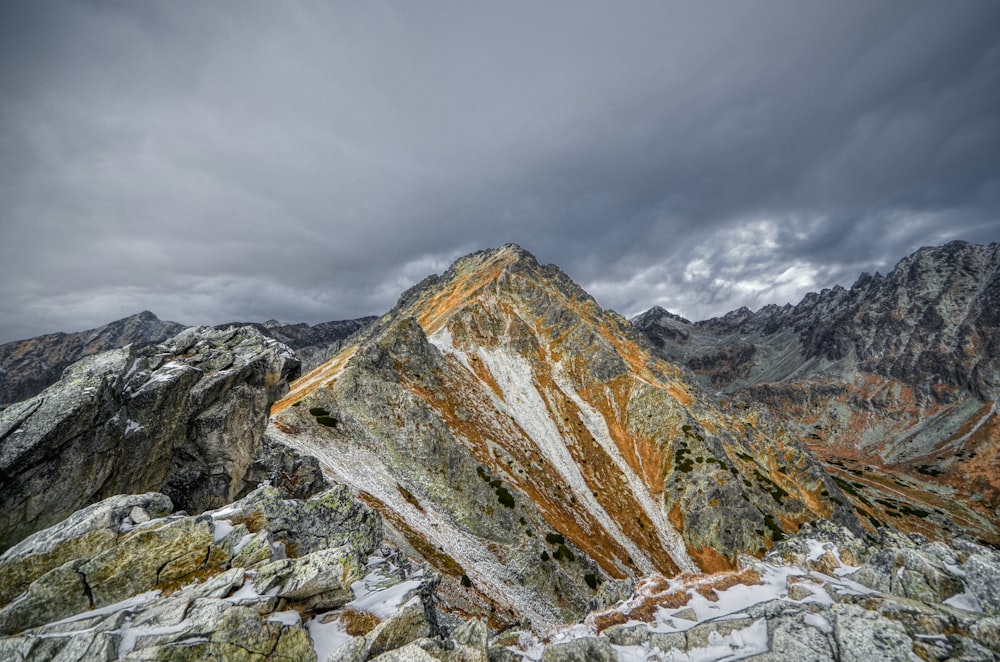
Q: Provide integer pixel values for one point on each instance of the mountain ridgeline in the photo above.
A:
(499, 470)
(933, 323)
(29, 366)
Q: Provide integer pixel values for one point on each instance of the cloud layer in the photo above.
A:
(307, 162)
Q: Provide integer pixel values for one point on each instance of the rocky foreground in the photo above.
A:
(273, 578)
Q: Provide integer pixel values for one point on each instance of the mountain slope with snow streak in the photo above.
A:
(529, 445)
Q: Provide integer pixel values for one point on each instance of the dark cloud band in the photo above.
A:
(253, 160)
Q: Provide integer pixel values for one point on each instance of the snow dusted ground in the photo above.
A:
(727, 610)
(513, 375)
(365, 471)
(598, 428)
(380, 593)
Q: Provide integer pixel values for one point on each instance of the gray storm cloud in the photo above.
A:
(252, 160)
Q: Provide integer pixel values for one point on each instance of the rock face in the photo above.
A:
(524, 442)
(313, 345)
(898, 375)
(232, 584)
(185, 417)
(27, 367)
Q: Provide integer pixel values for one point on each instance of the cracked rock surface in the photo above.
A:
(185, 418)
(178, 587)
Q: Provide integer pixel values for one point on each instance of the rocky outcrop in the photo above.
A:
(185, 417)
(823, 594)
(27, 367)
(123, 579)
(527, 444)
(298, 476)
(313, 345)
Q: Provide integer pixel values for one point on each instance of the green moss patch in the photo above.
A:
(776, 532)
(563, 553)
(504, 496)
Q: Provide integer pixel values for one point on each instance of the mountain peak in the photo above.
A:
(501, 414)
(658, 315)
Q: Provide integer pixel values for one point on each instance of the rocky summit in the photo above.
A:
(498, 470)
(527, 444)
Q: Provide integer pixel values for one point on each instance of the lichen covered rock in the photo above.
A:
(185, 417)
(184, 587)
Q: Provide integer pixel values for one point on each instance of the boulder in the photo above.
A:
(407, 625)
(321, 580)
(797, 637)
(58, 593)
(982, 576)
(331, 519)
(185, 417)
(83, 535)
(592, 649)
(161, 555)
(297, 476)
(863, 635)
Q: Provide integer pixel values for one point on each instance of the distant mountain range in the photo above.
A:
(898, 375)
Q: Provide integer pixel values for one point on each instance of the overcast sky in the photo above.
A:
(307, 161)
